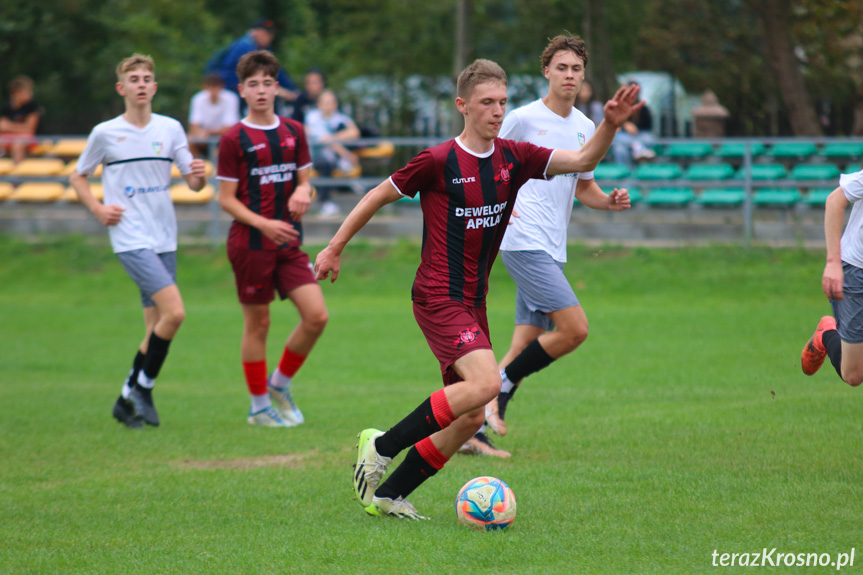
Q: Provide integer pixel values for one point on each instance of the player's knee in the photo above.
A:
(174, 317)
(853, 377)
(489, 388)
(317, 321)
(574, 337)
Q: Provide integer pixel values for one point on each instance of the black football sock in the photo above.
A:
(531, 359)
(503, 400)
(157, 351)
(418, 425)
(407, 476)
(137, 363)
(833, 343)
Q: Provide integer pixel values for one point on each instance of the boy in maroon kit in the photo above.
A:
(467, 188)
(264, 167)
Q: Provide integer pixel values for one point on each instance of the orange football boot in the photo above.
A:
(814, 352)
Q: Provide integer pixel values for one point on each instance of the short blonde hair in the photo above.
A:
(135, 61)
(478, 72)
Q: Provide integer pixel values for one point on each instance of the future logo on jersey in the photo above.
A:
(466, 337)
(503, 175)
(157, 147)
(482, 216)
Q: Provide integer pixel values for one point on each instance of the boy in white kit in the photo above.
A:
(549, 319)
(136, 150)
(840, 336)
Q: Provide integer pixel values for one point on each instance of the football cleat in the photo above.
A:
(267, 417)
(399, 508)
(142, 402)
(814, 352)
(284, 403)
(125, 414)
(370, 467)
(479, 444)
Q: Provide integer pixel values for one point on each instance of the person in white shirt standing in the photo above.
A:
(136, 150)
(549, 321)
(212, 111)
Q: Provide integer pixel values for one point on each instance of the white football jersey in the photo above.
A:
(545, 207)
(852, 238)
(137, 177)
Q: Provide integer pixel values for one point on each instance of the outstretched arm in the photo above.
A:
(616, 110)
(328, 260)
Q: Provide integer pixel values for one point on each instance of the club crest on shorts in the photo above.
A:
(503, 174)
(466, 337)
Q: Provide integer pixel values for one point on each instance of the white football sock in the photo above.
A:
(506, 385)
(145, 381)
(279, 379)
(260, 402)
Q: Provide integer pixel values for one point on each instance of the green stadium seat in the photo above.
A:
(611, 171)
(796, 150)
(852, 168)
(658, 172)
(764, 172)
(635, 196)
(842, 150)
(688, 150)
(702, 171)
(814, 172)
(677, 197)
(784, 198)
(734, 150)
(721, 197)
(817, 197)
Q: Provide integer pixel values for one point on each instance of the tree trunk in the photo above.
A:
(463, 10)
(857, 130)
(600, 68)
(780, 54)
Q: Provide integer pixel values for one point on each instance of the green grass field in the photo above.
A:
(682, 426)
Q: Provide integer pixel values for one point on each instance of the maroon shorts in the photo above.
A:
(452, 330)
(259, 273)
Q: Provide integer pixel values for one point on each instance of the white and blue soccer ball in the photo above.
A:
(486, 504)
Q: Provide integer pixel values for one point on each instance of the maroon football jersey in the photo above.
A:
(466, 202)
(264, 163)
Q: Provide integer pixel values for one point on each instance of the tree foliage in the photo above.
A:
(70, 47)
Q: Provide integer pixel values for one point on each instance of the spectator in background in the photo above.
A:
(212, 112)
(259, 37)
(632, 142)
(326, 129)
(19, 118)
(587, 104)
(313, 84)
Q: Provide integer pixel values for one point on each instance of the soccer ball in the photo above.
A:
(486, 504)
